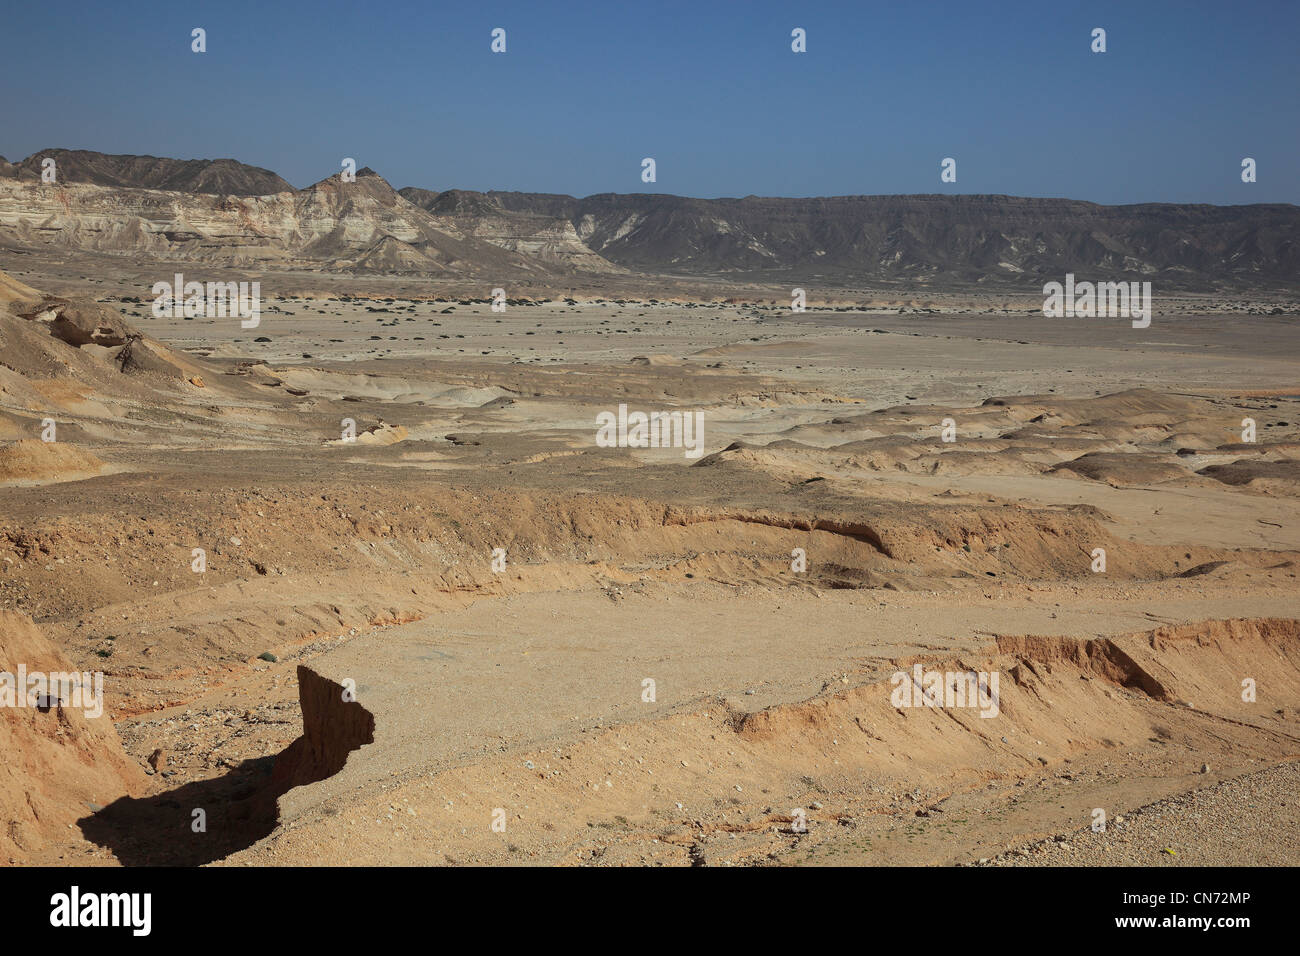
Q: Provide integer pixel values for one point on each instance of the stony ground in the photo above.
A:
(823, 434)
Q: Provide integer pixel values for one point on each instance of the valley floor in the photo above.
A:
(682, 660)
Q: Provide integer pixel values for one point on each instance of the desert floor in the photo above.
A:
(502, 715)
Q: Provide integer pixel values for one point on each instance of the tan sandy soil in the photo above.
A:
(373, 560)
(31, 459)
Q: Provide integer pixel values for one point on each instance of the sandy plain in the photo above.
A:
(502, 716)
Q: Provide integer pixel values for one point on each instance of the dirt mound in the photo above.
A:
(62, 759)
(80, 363)
(1270, 477)
(1129, 406)
(81, 322)
(144, 355)
(13, 291)
(35, 460)
(1118, 469)
(57, 338)
(380, 434)
(392, 255)
(1134, 438)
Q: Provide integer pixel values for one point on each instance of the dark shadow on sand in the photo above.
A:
(240, 809)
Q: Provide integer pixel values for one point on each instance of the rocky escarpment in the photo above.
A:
(1001, 240)
(362, 226)
(549, 239)
(220, 211)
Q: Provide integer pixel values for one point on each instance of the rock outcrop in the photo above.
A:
(224, 213)
(61, 761)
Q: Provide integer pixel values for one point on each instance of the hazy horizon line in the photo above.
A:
(665, 195)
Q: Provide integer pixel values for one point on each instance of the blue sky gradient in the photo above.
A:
(711, 90)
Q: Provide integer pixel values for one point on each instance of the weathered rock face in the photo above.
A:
(966, 240)
(240, 218)
(362, 226)
(60, 763)
(81, 322)
(963, 239)
(550, 240)
(332, 727)
(81, 344)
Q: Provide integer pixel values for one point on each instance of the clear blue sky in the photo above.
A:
(711, 90)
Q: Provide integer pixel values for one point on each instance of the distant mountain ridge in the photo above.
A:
(225, 211)
(960, 238)
(220, 177)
